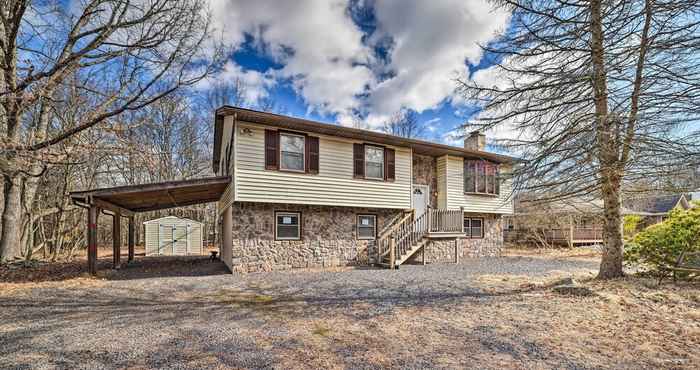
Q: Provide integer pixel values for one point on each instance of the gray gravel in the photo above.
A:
(142, 318)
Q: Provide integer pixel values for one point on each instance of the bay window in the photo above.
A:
(481, 177)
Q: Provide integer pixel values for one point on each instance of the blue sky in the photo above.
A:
(337, 60)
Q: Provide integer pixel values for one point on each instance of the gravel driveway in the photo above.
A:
(416, 317)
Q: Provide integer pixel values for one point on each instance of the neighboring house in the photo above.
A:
(580, 221)
(655, 209)
(695, 195)
(309, 194)
(571, 222)
(173, 235)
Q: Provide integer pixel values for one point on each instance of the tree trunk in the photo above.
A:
(611, 262)
(11, 218)
(610, 170)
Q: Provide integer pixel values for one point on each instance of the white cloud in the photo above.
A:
(316, 41)
(255, 85)
(322, 53)
(432, 40)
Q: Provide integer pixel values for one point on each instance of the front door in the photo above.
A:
(421, 196)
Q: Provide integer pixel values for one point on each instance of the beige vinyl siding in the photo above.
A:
(333, 185)
(502, 204)
(442, 182)
(227, 198)
(151, 232)
(225, 143)
(159, 239)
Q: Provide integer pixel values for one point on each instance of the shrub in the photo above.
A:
(661, 244)
(630, 224)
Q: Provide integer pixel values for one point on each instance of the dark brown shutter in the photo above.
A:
(272, 141)
(498, 179)
(358, 162)
(312, 154)
(389, 164)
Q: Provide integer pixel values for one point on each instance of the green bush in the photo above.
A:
(661, 244)
(630, 224)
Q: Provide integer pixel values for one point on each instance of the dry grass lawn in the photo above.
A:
(515, 321)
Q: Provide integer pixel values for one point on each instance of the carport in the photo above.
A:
(126, 201)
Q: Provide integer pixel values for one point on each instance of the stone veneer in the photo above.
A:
(425, 173)
(328, 237)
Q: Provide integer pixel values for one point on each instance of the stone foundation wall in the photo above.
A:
(491, 245)
(328, 237)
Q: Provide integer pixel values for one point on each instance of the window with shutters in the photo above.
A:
(374, 162)
(292, 152)
(287, 226)
(366, 227)
(481, 177)
(474, 227)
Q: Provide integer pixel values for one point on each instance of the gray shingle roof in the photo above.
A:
(653, 204)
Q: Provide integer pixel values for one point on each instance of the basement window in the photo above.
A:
(366, 227)
(474, 227)
(288, 226)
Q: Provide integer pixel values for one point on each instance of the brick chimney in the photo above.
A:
(475, 141)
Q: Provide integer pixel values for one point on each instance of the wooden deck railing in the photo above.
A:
(557, 235)
(400, 238)
(445, 220)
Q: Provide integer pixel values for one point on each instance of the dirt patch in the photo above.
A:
(499, 313)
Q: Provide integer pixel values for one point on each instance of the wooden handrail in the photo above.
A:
(410, 230)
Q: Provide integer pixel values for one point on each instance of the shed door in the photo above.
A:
(165, 239)
(180, 242)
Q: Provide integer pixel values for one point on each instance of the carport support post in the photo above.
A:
(116, 240)
(131, 238)
(92, 239)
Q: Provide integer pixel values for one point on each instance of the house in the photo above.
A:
(579, 221)
(573, 221)
(173, 235)
(309, 194)
(655, 209)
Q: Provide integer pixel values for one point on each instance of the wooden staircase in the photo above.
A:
(408, 234)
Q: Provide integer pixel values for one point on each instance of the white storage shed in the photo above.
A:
(173, 236)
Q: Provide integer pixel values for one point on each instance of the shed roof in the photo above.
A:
(155, 196)
(292, 123)
(171, 217)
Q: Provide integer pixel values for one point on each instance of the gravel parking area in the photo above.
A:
(486, 313)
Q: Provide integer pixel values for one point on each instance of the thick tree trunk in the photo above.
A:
(610, 169)
(11, 219)
(611, 261)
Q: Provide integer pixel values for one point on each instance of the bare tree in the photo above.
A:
(600, 94)
(122, 55)
(404, 123)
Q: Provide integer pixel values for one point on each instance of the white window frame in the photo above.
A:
(383, 164)
(303, 152)
(468, 233)
(374, 227)
(285, 213)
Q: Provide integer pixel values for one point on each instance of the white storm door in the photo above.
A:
(421, 196)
